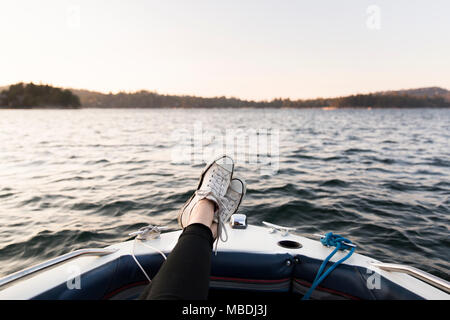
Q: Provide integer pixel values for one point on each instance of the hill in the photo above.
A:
(421, 92)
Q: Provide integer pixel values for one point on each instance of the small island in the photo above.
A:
(37, 96)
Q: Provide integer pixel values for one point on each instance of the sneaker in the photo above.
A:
(213, 185)
(229, 205)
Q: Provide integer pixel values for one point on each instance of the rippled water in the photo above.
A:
(71, 179)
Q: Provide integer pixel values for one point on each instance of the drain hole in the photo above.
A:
(289, 244)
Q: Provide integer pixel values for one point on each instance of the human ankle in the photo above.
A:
(203, 212)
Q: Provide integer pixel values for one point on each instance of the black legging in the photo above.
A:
(185, 273)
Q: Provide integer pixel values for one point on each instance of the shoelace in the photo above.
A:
(220, 231)
(217, 184)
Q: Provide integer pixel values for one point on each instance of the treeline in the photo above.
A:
(30, 95)
(145, 99)
(391, 101)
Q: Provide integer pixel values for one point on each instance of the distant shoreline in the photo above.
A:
(31, 96)
(40, 107)
(216, 108)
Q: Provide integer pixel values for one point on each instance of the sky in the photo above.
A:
(250, 49)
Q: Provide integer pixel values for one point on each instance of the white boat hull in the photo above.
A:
(251, 260)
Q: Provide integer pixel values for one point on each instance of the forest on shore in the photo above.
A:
(432, 97)
(42, 96)
(37, 96)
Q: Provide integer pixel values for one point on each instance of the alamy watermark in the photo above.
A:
(253, 146)
(374, 280)
(373, 21)
(74, 277)
(73, 17)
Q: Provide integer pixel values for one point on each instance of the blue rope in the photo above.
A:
(329, 240)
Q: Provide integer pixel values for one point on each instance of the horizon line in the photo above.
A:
(220, 96)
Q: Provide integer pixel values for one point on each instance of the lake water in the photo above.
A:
(72, 179)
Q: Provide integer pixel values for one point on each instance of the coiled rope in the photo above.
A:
(330, 240)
